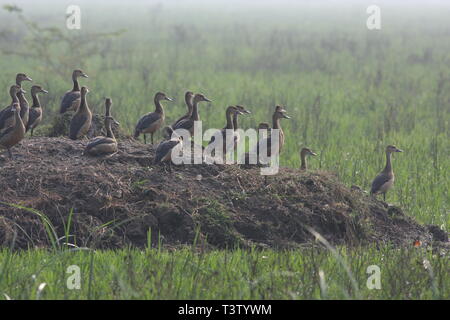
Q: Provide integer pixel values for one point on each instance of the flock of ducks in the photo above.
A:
(18, 118)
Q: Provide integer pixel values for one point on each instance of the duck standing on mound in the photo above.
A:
(384, 181)
(72, 99)
(188, 123)
(303, 154)
(265, 144)
(14, 134)
(35, 116)
(188, 98)
(163, 153)
(82, 119)
(24, 106)
(152, 121)
(7, 115)
(229, 114)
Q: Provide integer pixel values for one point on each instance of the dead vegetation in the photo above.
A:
(123, 200)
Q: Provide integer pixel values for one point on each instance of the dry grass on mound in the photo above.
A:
(122, 200)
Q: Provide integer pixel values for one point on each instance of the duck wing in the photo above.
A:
(33, 115)
(378, 182)
(98, 141)
(184, 124)
(147, 120)
(164, 148)
(69, 98)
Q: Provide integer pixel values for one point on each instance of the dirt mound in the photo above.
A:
(123, 200)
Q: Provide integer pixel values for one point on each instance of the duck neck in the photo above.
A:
(23, 101)
(14, 98)
(276, 122)
(235, 121)
(108, 110)
(158, 105)
(229, 115)
(189, 106)
(76, 86)
(83, 104)
(18, 120)
(194, 115)
(36, 102)
(109, 132)
(388, 167)
(303, 164)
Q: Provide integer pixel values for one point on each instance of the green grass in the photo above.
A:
(184, 274)
(376, 88)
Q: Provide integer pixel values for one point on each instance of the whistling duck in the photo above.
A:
(266, 143)
(303, 153)
(103, 145)
(165, 148)
(188, 97)
(7, 114)
(35, 110)
(14, 134)
(235, 123)
(152, 121)
(384, 181)
(82, 119)
(230, 112)
(72, 99)
(188, 124)
(24, 106)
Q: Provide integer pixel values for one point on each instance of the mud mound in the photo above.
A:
(123, 200)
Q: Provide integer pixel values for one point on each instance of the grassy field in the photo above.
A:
(185, 274)
(350, 92)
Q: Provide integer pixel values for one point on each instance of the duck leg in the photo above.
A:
(32, 131)
(384, 196)
(145, 139)
(151, 135)
(10, 154)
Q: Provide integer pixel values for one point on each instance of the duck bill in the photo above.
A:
(399, 150)
(28, 79)
(286, 116)
(44, 91)
(169, 99)
(313, 154)
(84, 75)
(208, 100)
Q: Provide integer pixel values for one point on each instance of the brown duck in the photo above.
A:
(385, 180)
(103, 145)
(7, 114)
(188, 123)
(152, 121)
(230, 112)
(36, 110)
(303, 154)
(24, 106)
(72, 99)
(14, 134)
(82, 119)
